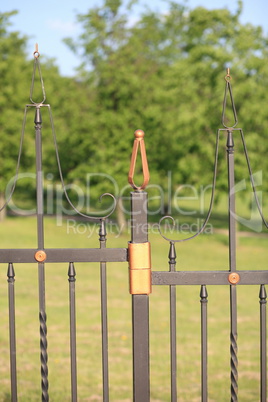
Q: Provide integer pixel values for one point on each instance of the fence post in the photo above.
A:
(140, 306)
(140, 274)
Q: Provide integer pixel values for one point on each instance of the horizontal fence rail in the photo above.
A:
(208, 278)
(65, 255)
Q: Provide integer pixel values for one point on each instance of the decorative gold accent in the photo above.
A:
(233, 278)
(139, 142)
(40, 256)
(140, 278)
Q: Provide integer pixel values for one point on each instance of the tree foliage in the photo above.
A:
(163, 73)
(69, 101)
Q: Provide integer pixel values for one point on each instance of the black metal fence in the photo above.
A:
(141, 277)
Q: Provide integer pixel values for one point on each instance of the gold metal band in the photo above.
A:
(140, 278)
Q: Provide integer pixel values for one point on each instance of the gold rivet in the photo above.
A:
(40, 256)
(233, 278)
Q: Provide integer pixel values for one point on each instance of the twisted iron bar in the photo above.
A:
(234, 364)
(43, 355)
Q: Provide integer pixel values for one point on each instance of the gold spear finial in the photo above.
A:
(139, 142)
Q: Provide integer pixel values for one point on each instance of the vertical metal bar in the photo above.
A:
(204, 301)
(12, 331)
(104, 323)
(263, 344)
(41, 266)
(140, 306)
(72, 274)
(232, 266)
(173, 325)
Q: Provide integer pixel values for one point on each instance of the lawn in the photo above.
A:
(207, 252)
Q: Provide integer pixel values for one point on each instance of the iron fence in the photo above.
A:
(141, 276)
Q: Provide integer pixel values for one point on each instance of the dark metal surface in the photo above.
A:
(208, 277)
(173, 325)
(41, 266)
(204, 341)
(232, 243)
(71, 275)
(104, 319)
(65, 255)
(263, 344)
(12, 331)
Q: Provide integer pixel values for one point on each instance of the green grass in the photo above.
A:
(207, 252)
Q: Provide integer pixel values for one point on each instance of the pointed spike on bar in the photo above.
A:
(230, 140)
(10, 271)
(38, 117)
(203, 292)
(172, 252)
(263, 294)
(71, 271)
(102, 231)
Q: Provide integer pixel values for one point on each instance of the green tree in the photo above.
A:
(69, 103)
(165, 74)
(14, 71)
